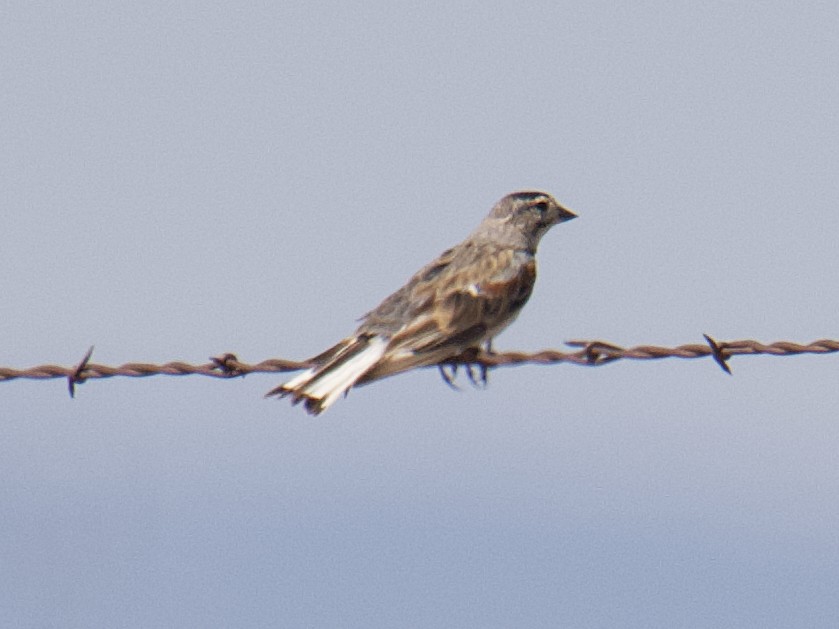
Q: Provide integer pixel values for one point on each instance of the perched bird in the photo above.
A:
(458, 302)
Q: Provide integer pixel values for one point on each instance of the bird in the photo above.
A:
(456, 303)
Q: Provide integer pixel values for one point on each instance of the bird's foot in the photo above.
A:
(479, 380)
(448, 372)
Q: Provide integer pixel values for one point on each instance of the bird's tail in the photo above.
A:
(334, 373)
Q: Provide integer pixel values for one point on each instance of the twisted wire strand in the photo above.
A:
(587, 353)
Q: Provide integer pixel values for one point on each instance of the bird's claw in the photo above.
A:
(478, 374)
(449, 378)
(478, 381)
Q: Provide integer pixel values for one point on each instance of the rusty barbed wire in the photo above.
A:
(589, 353)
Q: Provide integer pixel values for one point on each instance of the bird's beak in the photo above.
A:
(565, 215)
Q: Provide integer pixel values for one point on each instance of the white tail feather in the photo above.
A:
(333, 380)
(299, 379)
(339, 380)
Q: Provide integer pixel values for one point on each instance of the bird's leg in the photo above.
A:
(484, 369)
(449, 378)
(479, 381)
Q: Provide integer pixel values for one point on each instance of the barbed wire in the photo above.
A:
(589, 353)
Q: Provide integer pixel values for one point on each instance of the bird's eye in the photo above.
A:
(541, 207)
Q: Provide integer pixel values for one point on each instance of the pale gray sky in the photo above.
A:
(181, 180)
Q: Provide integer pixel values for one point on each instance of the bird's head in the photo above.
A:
(526, 215)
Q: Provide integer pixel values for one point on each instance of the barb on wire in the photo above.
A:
(719, 354)
(78, 377)
(586, 353)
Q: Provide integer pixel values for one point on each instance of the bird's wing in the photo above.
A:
(454, 303)
(471, 301)
(412, 300)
